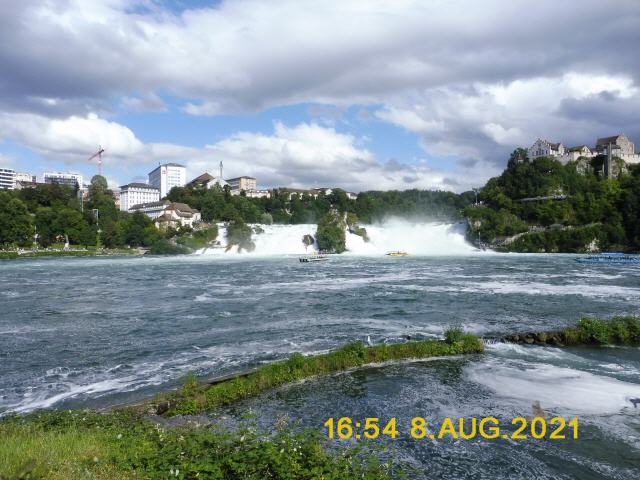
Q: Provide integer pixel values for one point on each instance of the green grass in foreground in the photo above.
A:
(123, 445)
(195, 398)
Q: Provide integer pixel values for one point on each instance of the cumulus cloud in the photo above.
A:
(305, 155)
(312, 155)
(486, 121)
(71, 139)
(472, 79)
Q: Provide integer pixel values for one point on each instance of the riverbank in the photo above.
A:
(104, 252)
(127, 442)
(141, 441)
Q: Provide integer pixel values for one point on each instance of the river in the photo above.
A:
(93, 332)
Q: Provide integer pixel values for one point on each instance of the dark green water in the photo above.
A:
(94, 332)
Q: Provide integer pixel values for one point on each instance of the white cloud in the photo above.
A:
(488, 120)
(304, 155)
(71, 139)
(471, 78)
(247, 55)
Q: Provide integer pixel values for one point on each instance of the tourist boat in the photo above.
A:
(611, 259)
(313, 258)
(397, 253)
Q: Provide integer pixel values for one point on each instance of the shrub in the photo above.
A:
(453, 335)
(165, 247)
(594, 329)
(618, 330)
(266, 219)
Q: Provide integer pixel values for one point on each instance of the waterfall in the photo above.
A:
(414, 238)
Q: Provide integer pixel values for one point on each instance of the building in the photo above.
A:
(7, 178)
(137, 193)
(206, 180)
(617, 146)
(258, 194)
(574, 153)
(25, 177)
(620, 147)
(544, 148)
(241, 183)
(167, 176)
(64, 178)
(169, 214)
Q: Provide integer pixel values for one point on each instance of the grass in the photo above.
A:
(195, 398)
(614, 331)
(125, 443)
(620, 330)
(121, 445)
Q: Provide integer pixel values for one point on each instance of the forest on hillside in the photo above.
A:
(566, 209)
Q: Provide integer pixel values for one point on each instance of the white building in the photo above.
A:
(544, 148)
(167, 176)
(169, 214)
(137, 193)
(25, 177)
(258, 194)
(574, 153)
(241, 183)
(71, 179)
(206, 180)
(7, 178)
(619, 145)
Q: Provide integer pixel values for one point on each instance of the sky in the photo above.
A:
(357, 94)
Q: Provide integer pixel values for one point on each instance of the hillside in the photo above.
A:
(542, 205)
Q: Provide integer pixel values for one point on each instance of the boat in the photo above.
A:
(397, 253)
(313, 258)
(611, 259)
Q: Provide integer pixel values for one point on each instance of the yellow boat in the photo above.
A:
(397, 254)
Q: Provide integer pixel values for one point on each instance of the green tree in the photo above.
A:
(331, 235)
(98, 186)
(16, 227)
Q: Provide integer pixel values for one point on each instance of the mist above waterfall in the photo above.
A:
(415, 238)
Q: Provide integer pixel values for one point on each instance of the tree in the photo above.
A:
(239, 233)
(136, 229)
(266, 218)
(519, 155)
(331, 235)
(16, 227)
(98, 186)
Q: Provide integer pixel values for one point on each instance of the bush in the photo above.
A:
(165, 247)
(453, 335)
(266, 219)
(594, 330)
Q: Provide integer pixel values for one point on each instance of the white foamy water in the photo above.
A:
(413, 238)
(562, 389)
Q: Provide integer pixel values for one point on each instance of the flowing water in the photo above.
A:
(78, 332)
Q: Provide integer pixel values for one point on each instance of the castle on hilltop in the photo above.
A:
(617, 146)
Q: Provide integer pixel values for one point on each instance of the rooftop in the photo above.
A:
(168, 165)
(138, 185)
